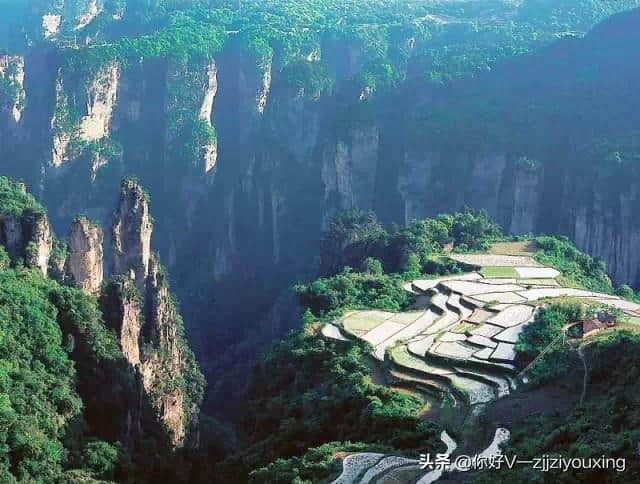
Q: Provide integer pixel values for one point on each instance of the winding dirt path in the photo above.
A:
(586, 373)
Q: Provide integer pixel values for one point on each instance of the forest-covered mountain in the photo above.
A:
(98, 381)
(99, 385)
(253, 123)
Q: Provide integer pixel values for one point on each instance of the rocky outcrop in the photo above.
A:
(12, 93)
(146, 318)
(349, 172)
(210, 149)
(164, 362)
(101, 99)
(40, 242)
(27, 237)
(122, 307)
(61, 137)
(265, 87)
(132, 234)
(92, 11)
(86, 255)
(161, 314)
(150, 344)
(94, 123)
(50, 25)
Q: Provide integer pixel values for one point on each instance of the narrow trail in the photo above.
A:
(586, 373)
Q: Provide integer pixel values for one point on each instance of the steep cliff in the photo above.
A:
(86, 255)
(132, 234)
(99, 387)
(150, 329)
(24, 227)
(123, 306)
(210, 148)
(12, 93)
(40, 241)
(85, 117)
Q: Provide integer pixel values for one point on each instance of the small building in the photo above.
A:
(602, 321)
(608, 318)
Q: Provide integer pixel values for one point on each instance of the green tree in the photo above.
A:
(102, 458)
(372, 266)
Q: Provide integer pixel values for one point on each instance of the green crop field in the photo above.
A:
(506, 272)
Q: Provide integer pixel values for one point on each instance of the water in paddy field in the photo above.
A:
(478, 392)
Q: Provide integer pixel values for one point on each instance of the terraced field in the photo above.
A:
(457, 346)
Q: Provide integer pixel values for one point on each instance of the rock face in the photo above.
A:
(99, 95)
(40, 242)
(122, 307)
(86, 255)
(526, 200)
(141, 309)
(612, 232)
(210, 150)
(27, 237)
(12, 235)
(12, 93)
(132, 234)
(101, 99)
(349, 172)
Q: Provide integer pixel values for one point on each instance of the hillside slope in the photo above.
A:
(92, 388)
(494, 355)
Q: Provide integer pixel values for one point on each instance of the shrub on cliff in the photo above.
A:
(14, 200)
(350, 290)
(578, 268)
(355, 235)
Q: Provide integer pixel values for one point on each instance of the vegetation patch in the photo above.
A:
(14, 199)
(607, 423)
(547, 328)
(351, 290)
(354, 236)
(361, 322)
(499, 272)
(309, 390)
(578, 269)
